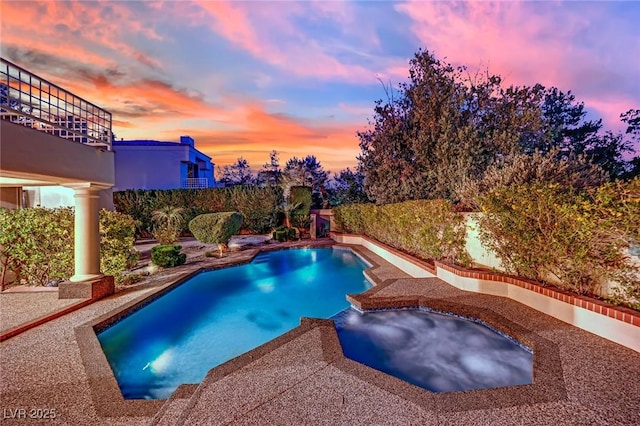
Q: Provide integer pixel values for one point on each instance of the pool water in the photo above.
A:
(218, 315)
(438, 352)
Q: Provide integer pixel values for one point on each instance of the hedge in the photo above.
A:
(301, 196)
(260, 207)
(575, 240)
(38, 243)
(429, 229)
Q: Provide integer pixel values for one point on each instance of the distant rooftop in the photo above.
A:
(184, 141)
(144, 142)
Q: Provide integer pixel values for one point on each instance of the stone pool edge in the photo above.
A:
(105, 392)
(548, 383)
(617, 324)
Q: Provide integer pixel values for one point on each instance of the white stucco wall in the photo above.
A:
(34, 155)
(480, 255)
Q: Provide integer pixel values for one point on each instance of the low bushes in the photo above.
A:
(167, 256)
(38, 244)
(429, 229)
(283, 233)
(577, 240)
(216, 228)
(258, 206)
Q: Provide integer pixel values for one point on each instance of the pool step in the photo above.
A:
(173, 408)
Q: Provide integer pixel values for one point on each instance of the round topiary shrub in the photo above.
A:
(167, 256)
(215, 228)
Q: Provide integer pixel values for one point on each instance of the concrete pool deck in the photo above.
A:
(302, 377)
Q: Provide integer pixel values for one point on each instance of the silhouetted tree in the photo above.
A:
(347, 187)
(445, 127)
(271, 173)
(305, 171)
(238, 173)
(632, 119)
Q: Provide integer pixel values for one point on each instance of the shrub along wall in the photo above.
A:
(38, 244)
(578, 240)
(429, 229)
(260, 207)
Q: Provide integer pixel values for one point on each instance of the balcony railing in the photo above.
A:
(195, 183)
(34, 102)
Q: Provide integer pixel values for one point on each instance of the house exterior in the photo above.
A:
(149, 164)
(54, 138)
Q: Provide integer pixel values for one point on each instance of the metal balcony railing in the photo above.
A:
(195, 183)
(34, 102)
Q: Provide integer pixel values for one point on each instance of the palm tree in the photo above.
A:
(169, 221)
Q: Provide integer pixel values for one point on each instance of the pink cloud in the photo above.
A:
(268, 34)
(533, 42)
(81, 27)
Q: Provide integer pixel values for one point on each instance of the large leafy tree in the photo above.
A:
(632, 119)
(442, 127)
(446, 127)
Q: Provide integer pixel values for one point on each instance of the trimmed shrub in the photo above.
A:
(282, 234)
(216, 228)
(577, 240)
(117, 239)
(167, 256)
(37, 244)
(429, 229)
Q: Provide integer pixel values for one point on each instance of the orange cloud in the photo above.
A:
(257, 132)
(75, 31)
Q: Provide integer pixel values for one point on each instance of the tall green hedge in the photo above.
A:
(429, 229)
(260, 207)
(301, 196)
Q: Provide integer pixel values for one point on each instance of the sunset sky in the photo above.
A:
(246, 77)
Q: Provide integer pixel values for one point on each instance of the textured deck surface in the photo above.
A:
(302, 377)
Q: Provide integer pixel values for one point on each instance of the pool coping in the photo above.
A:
(618, 324)
(105, 392)
(548, 383)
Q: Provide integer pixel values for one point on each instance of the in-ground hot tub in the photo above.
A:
(436, 351)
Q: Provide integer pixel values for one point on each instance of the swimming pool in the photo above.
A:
(218, 315)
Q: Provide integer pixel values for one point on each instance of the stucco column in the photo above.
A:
(87, 235)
